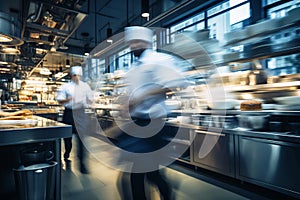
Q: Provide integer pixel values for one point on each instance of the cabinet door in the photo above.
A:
(269, 163)
(219, 155)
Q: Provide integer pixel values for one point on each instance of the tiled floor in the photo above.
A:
(103, 183)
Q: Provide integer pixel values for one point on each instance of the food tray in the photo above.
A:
(19, 122)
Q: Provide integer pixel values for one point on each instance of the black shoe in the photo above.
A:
(68, 164)
(66, 156)
(83, 169)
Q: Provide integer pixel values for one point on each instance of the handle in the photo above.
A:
(210, 133)
(50, 155)
(38, 171)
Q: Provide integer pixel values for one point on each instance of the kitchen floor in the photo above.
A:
(104, 183)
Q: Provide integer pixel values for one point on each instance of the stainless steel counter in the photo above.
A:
(14, 138)
(44, 130)
(264, 158)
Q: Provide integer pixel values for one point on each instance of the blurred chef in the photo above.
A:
(75, 96)
(152, 75)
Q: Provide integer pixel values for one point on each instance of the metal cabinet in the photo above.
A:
(269, 163)
(214, 151)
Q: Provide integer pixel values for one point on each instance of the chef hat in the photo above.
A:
(76, 70)
(138, 33)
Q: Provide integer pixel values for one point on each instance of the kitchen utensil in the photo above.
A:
(288, 100)
(253, 121)
(223, 104)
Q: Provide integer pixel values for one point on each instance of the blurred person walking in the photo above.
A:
(75, 96)
(152, 75)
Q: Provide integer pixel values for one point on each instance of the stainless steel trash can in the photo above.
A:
(36, 182)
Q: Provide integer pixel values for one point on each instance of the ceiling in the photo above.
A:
(53, 31)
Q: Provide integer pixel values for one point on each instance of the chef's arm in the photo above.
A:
(150, 92)
(63, 101)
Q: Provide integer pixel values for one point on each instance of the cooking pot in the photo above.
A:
(257, 76)
(253, 121)
(36, 155)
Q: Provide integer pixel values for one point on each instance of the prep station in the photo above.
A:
(230, 51)
(263, 155)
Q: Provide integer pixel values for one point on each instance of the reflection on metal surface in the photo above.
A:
(269, 163)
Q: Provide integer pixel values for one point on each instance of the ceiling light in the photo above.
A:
(3, 63)
(68, 63)
(109, 35)
(45, 71)
(63, 47)
(5, 69)
(145, 9)
(60, 75)
(10, 50)
(10, 32)
(5, 38)
(52, 49)
(40, 51)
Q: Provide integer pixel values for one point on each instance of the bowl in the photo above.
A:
(223, 104)
(172, 104)
(288, 100)
(114, 113)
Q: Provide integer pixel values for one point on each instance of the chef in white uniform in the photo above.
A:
(75, 97)
(153, 75)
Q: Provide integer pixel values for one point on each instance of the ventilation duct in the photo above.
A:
(10, 30)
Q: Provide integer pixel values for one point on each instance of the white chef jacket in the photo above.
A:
(80, 93)
(152, 69)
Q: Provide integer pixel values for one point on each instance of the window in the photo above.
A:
(192, 22)
(228, 20)
(222, 18)
(289, 64)
(281, 10)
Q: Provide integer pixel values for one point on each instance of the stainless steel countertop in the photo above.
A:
(280, 136)
(44, 130)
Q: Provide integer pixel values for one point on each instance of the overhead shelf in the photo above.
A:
(263, 52)
(269, 86)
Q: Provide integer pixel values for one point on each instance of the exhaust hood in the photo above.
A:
(10, 32)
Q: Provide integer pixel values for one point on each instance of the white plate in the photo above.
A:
(19, 122)
(223, 104)
(288, 107)
(288, 100)
(266, 106)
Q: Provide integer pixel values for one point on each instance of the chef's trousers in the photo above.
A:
(78, 125)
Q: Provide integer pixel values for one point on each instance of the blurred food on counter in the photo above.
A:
(12, 106)
(251, 105)
(24, 112)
